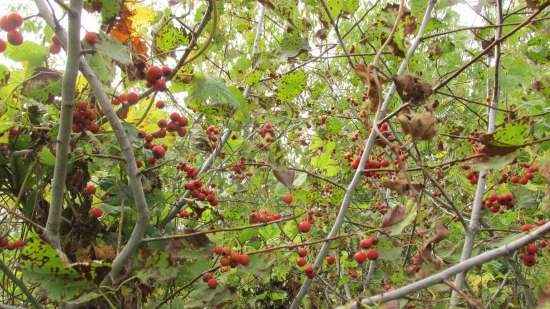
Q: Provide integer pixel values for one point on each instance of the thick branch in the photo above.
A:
(367, 148)
(480, 190)
(453, 270)
(53, 222)
(127, 152)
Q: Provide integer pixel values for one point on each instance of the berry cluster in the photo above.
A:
(530, 170)
(84, 119)
(11, 245)
(494, 202)
(267, 132)
(231, 258)
(372, 254)
(381, 208)
(212, 132)
(210, 280)
(56, 46)
(91, 38)
(201, 193)
(384, 129)
(130, 98)
(160, 104)
(10, 23)
(155, 77)
(177, 123)
(190, 171)
(184, 213)
(262, 216)
(528, 256)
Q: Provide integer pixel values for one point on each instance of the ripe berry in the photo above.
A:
(160, 104)
(331, 260)
(360, 257)
(368, 242)
(302, 251)
(162, 123)
(212, 283)
(523, 181)
(96, 212)
(206, 276)
(515, 179)
(184, 214)
(55, 49)
(287, 198)
(244, 259)
(159, 85)
(166, 70)
(310, 271)
(3, 46)
(532, 248)
(528, 260)
(218, 250)
(15, 37)
(90, 189)
(91, 38)
(153, 74)
(301, 261)
(132, 98)
(55, 40)
(20, 243)
(372, 254)
(15, 20)
(304, 226)
(226, 251)
(526, 228)
(158, 151)
(187, 79)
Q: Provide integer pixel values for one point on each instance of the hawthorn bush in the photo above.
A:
(274, 154)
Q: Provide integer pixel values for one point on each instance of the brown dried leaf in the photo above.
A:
(421, 126)
(374, 81)
(83, 254)
(104, 252)
(544, 171)
(286, 177)
(394, 216)
(412, 88)
(490, 148)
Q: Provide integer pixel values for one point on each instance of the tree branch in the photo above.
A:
(453, 270)
(135, 184)
(53, 223)
(367, 148)
(480, 189)
(6, 270)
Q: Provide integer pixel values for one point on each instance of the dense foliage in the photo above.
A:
(206, 149)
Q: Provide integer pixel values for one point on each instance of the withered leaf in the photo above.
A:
(286, 177)
(374, 81)
(421, 126)
(412, 89)
(104, 252)
(394, 216)
(83, 254)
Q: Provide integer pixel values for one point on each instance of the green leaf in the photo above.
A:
(335, 7)
(292, 44)
(496, 163)
(113, 49)
(208, 89)
(42, 264)
(512, 134)
(4, 75)
(46, 157)
(109, 9)
(290, 86)
(29, 52)
(102, 66)
(168, 37)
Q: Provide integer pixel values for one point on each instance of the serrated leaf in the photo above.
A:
(102, 66)
(29, 52)
(113, 49)
(209, 91)
(168, 37)
(511, 134)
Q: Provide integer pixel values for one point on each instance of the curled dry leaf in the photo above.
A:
(421, 126)
(374, 81)
(104, 252)
(394, 216)
(286, 177)
(412, 89)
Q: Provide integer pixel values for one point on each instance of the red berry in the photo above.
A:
(528, 260)
(90, 189)
(175, 116)
(15, 20)
(3, 46)
(360, 257)
(160, 104)
(184, 214)
(310, 271)
(226, 250)
(5, 24)
(166, 70)
(368, 242)
(206, 276)
(153, 74)
(304, 226)
(532, 248)
(384, 163)
(244, 259)
(528, 176)
(15, 37)
(301, 261)
(302, 251)
(132, 98)
(91, 38)
(212, 283)
(20, 243)
(159, 85)
(96, 212)
(54, 49)
(218, 250)
(55, 40)
(224, 261)
(526, 228)
(162, 123)
(372, 254)
(287, 198)
(523, 181)
(515, 179)
(331, 260)
(158, 151)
